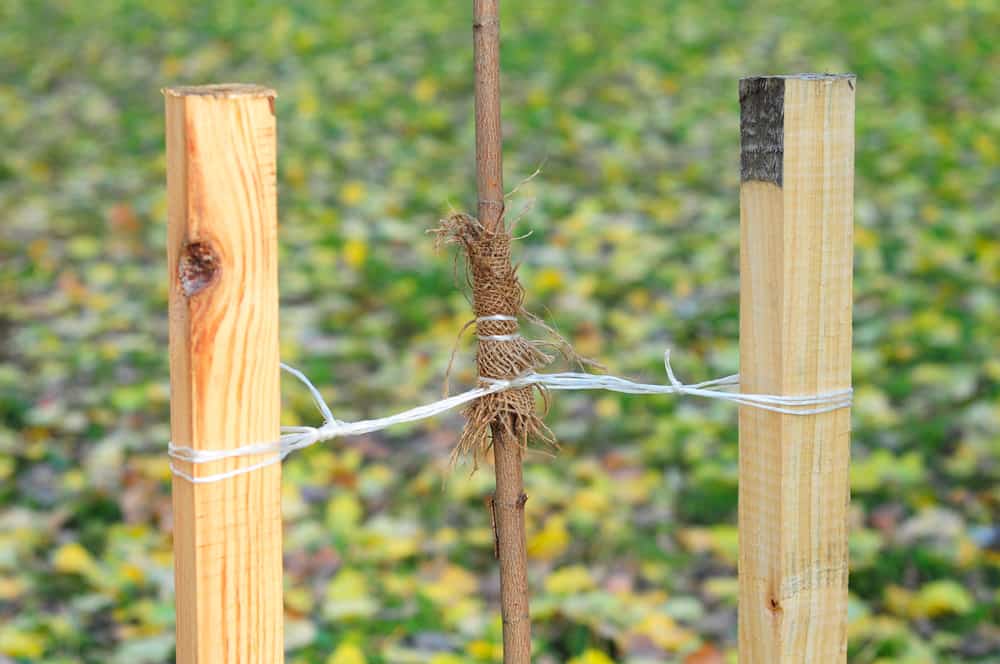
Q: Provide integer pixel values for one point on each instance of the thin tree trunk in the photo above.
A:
(508, 501)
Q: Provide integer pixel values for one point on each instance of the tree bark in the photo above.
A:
(508, 501)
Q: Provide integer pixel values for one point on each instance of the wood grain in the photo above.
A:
(224, 371)
(795, 338)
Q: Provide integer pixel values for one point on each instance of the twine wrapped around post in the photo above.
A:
(497, 301)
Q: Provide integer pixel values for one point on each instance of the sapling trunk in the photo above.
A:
(509, 499)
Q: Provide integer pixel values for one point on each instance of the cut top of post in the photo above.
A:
(806, 76)
(762, 122)
(222, 90)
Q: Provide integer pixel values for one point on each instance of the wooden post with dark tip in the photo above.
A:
(796, 218)
(509, 499)
(222, 258)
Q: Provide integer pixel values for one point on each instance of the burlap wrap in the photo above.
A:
(496, 290)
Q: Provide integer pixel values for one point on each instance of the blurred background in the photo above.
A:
(632, 108)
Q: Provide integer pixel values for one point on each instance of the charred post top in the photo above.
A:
(762, 129)
(762, 119)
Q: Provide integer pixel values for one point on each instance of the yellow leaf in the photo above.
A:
(684, 287)
(397, 548)
(451, 583)
(607, 407)
(446, 537)
(722, 587)
(295, 173)
(592, 657)
(425, 90)
(548, 279)
(352, 193)
(343, 512)
(348, 584)
(308, 104)
(590, 502)
(663, 632)
(299, 600)
(403, 585)
(484, 650)
(355, 252)
(865, 238)
(462, 612)
(133, 573)
(346, 653)
(171, 67)
(551, 541)
(72, 558)
(569, 580)
(696, 540)
(898, 600)
(10, 588)
(537, 97)
(940, 598)
(446, 658)
(720, 540)
(581, 42)
(986, 148)
(20, 644)
(347, 596)
(968, 553)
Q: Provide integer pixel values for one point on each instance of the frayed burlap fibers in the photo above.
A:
(498, 301)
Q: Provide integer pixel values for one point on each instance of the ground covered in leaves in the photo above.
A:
(632, 109)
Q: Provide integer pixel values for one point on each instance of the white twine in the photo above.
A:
(510, 319)
(298, 437)
(497, 337)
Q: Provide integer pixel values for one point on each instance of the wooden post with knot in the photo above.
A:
(222, 257)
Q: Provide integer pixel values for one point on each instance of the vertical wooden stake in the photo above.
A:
(509, 499)
(222, 258)
(796, 216)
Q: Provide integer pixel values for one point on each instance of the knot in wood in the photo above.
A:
(197, 268)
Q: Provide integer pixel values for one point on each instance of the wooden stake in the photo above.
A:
(796, 216)
(509, 499)
(222, 258)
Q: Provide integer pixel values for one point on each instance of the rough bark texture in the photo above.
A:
(762, 133)
(509, 499)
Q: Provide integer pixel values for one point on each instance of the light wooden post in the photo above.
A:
(796, 216)
(224, 373)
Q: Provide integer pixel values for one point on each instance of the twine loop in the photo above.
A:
(298, 437)
(503, 403)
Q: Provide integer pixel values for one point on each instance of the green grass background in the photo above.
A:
(632, 107)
